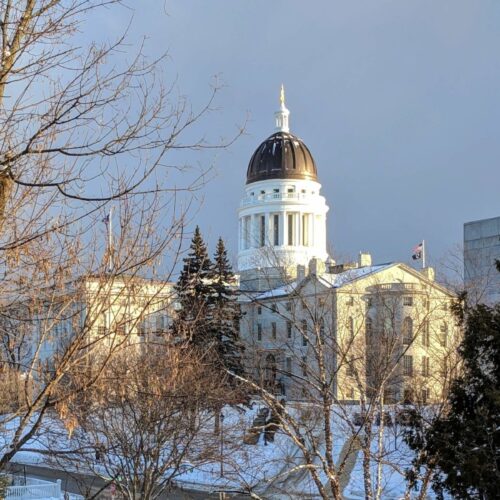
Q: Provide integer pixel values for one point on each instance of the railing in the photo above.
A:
(399, 287)
(249, 200)
(35, 491)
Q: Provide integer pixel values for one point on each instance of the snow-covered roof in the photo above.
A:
(340, 279)
(281, 291)
(332, 280)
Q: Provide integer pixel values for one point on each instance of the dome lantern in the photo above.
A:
(282, 116)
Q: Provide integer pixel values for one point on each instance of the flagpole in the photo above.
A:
(110, 240)
(423, 254)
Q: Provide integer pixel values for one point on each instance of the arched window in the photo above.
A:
(407, 330)
(350, 326)
(270, 369)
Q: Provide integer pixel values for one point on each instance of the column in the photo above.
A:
(310, 232)
(284, 228)
(241, 245)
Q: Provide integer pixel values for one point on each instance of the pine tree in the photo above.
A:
(193, 293)
(225, 313)
(463, 446)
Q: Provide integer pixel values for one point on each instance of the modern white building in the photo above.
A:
(481, 248)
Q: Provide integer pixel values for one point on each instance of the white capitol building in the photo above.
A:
(301, 309)
(282, 216)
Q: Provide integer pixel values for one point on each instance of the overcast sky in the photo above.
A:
(398, 101)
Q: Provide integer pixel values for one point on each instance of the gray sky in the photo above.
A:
(399, 103)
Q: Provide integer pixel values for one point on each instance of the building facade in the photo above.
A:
(358, 328)
(481, 248)
(100, 312)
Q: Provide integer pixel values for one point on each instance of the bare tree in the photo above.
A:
(83, 129)
(343, 346)
(145, 421)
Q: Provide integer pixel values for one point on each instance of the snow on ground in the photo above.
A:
(270, 470)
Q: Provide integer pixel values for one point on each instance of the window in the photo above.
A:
(290, 220)
(120, 330)
(273, 330)
(275, 190)
(425, 395)
(350, 368)
(322, 331)
(425, 334)
(407, 395)
(262, 230)
(425, 366)
(408, 365)
(289, 329)
(288, 362)
(369, 302)
(350, 326)
(101, 331)
(274, 308)
(350, 301)
(259, 310)
(443, 334)
(369, 326)
(444, 307)
(407, 301)
(407, 331)
(304, 366)
(321, 302)
(276, 230)
(304, 332)
(160, 323)
(288, 306)
(259, 332)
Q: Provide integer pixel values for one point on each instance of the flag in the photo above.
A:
(417, 252)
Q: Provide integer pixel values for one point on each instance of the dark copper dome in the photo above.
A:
(282, 156)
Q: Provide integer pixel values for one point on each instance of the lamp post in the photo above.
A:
(221, 444)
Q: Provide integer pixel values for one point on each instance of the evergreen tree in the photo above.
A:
(193, 292)
(225, 312)
(463, 446)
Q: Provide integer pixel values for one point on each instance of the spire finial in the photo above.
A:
(283, 113)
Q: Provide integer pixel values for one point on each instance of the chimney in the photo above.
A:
(364, 259)
(301, 272)
(330, 264)
(316, 266)
(429, 273)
